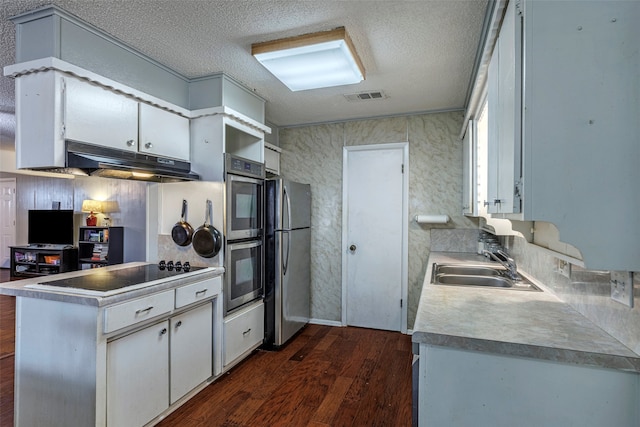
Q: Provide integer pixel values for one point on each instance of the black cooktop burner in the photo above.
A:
(103, 280)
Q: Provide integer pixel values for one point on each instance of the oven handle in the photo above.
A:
(285, 265)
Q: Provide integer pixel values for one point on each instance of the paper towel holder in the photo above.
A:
(431, 219)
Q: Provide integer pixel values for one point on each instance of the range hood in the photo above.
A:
(86, 159)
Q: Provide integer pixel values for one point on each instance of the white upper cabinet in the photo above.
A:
(564, 128)
(504, 104)
(53, 106)
(272, 158)
(98, 116)
(469, 185)
(219, 131)
(163, 133)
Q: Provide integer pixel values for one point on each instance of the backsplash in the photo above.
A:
(588, 292)
(169, 251)
(454, 240)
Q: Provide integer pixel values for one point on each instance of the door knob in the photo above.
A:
(352, 248)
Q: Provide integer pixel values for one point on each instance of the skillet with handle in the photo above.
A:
(182, 231)
(207, 240)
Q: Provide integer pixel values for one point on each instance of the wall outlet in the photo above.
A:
(564, 268)
(622, 287)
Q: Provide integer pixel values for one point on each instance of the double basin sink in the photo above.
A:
(478, 276)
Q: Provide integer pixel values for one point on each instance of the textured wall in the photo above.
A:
(313, 155)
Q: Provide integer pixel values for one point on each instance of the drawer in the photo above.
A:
(199, 291)
(243, 331)
(131, 312)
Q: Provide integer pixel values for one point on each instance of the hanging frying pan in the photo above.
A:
(182, 232)
(207, 240)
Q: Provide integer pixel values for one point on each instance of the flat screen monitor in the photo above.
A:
(53, 227)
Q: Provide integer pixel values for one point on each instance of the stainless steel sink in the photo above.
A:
(478, 276)
(467, 270)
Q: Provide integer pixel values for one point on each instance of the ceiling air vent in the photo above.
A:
(366, 96)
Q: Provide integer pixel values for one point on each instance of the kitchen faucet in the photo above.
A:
(508, 263)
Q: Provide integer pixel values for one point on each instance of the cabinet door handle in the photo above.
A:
(130, 143)
(202, 292)
(148, 145)
(163, 331)
(144, 310)
(246, 332)
(178, 324)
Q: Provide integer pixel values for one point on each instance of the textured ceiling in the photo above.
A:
(420, 53)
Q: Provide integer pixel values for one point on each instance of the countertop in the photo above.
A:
(511, 322)
(26, 288)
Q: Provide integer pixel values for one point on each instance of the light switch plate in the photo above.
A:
(622, 287)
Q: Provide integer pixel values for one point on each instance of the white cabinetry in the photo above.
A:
(98, 116)
(138, 376)
(564, 127)
(505, 118)
(272, 158)
(221, 130)
(243, 332)
(190, 351)
(124, 364)
(463, 388)
(163, 133)
(52, 106)
(469, 173)
(152, 368)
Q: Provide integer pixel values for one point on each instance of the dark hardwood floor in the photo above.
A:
(326, 376)
(7, 348)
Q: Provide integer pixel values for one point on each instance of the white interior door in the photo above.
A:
(7, 219)
(374, 236)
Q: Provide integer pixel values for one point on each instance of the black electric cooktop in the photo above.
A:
(102, 280)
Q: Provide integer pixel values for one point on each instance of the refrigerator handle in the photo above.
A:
(285, 264)
(288, 203)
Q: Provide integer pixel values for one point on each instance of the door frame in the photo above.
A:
(5, 262)
(404, 146)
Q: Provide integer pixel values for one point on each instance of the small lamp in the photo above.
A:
(91, 206)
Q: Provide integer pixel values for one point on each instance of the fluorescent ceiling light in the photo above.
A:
(312, 61)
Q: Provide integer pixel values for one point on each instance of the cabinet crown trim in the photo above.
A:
(54, 64)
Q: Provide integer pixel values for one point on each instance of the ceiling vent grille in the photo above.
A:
(366, 96)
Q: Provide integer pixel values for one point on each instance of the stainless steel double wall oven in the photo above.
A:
(244, 254)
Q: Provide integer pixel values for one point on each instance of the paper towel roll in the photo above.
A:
(432, 219)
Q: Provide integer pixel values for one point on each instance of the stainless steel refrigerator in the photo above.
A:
(287, 259)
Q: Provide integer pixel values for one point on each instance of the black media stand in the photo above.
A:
(42, 259)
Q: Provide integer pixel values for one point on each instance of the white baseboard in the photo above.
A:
(339, 324)
(325, 322)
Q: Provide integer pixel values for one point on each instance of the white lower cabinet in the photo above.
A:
(191, 350)
(116, 365)
(243, 332)
(153, 368)
(464, 388)
(138, 376)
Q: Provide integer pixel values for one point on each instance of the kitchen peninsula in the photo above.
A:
(503, 357)
(121, 357)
